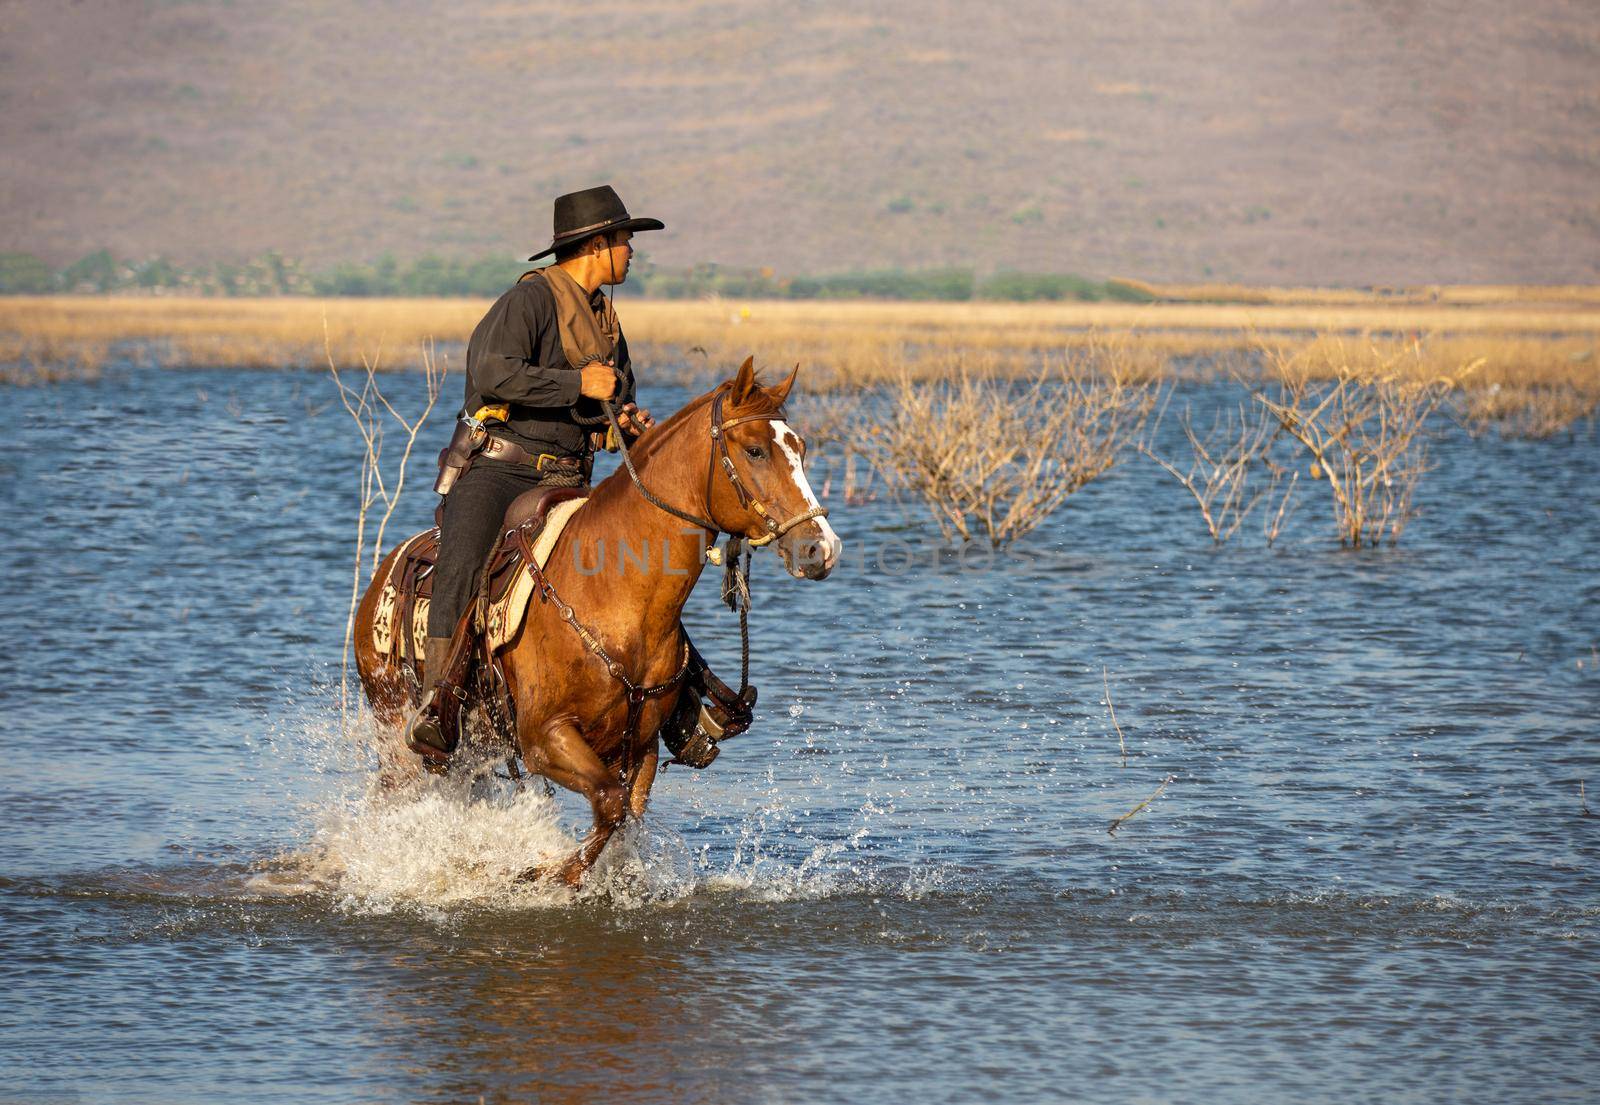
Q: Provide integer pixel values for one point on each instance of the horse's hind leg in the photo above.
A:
(562, 755)
(389, 694)
(388, 689)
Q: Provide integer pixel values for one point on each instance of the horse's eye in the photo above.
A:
(755, 452)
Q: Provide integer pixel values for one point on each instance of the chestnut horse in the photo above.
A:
(744, 475)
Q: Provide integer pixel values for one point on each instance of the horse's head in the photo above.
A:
(765, 495)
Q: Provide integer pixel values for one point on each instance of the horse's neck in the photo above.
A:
(651, 559)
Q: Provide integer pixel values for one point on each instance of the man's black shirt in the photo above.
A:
(515, 357)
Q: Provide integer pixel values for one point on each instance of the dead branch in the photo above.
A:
(1106, 679)
(433, 373)
(1218, 476)
(366, 407)
(1117, 824)
(1273, 520)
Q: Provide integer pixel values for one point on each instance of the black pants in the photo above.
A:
(472, 514)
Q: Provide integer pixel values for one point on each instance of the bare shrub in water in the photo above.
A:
(1534, 411)
(836, 429)
(994, 458)
(367, 407)
(1364, 432)
(1219, 475)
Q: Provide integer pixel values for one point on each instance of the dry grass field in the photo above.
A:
(1548, 341)
(71, 333)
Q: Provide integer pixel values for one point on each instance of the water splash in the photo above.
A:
(431, 848)
(450, 844)
(445, 844)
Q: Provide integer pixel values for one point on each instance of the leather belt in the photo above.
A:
(500, 449)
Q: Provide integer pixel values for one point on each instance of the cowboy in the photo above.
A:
(542, 358)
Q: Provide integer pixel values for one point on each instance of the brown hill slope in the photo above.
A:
(1305, 141)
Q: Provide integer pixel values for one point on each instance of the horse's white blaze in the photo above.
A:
(789, 444)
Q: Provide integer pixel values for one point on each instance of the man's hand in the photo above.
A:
(599, 380)
(633, 420)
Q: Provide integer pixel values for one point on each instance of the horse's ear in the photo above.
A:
(780, 391)
(744, 382)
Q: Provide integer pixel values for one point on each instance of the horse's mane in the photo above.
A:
(759, 402)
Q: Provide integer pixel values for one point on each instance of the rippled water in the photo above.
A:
(1369, 879)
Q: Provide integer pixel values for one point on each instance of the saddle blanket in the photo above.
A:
(400, 623)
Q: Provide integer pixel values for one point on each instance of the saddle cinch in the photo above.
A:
(708, 710)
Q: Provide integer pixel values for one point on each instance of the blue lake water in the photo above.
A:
(1370, 877)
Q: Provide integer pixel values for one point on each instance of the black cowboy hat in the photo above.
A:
(592, 211)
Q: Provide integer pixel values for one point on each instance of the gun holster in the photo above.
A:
(469, 437)
(708, 712)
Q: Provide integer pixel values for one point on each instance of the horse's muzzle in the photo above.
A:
(811, 550)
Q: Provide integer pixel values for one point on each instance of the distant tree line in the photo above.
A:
(273, 275)
(928, 284)
(268, 275)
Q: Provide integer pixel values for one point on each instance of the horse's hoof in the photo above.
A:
(544, 872)
(569, 872)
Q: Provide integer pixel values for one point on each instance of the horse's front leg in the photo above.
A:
(562, 755)
(643, 779)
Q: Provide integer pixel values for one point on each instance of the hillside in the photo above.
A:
(1306, 141)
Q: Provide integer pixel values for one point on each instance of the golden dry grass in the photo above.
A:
(53, 331)
(1535, 345)
(856, 342)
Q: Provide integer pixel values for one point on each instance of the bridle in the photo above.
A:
(747, 501)
(720, 458)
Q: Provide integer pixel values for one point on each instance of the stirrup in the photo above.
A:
(425, 736)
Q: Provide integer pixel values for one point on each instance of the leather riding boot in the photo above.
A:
(423, 733)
